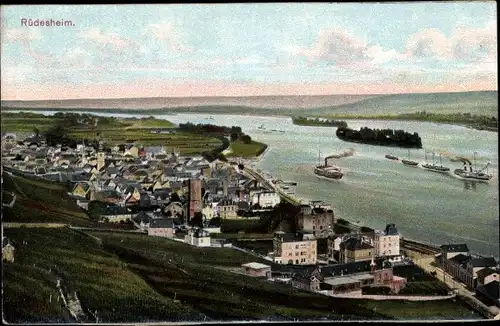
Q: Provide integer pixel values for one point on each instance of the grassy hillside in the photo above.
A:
(41, 201)
(101, 280)
(197, 277)
(480, 103)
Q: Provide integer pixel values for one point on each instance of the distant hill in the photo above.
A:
(481, 103)
(272, 102)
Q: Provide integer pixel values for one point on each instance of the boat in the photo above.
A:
(392, 157)
(409, 162)
(261, 127)
(477, 175)
(327, 171)
(434, 167)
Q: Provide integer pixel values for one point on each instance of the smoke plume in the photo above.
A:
(346, 153)
(456, 158)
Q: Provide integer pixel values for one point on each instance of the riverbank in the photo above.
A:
(460, 119)
(477, 122)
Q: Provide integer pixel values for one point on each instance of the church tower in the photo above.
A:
(100, 160)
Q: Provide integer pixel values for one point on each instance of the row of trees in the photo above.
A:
(381, 137)
(319, 122)
(209, 128)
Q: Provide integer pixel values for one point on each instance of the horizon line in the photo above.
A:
(248, 96)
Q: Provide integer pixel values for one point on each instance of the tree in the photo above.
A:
(57, 134)
(197, 220)
(216, 222)
(36, 131)
(175, 197)
(246, 139)
(234, 136)
(96, 209)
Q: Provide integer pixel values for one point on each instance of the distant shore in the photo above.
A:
(478, 122)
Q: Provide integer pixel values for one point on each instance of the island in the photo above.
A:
(382, 137)
(305, 121)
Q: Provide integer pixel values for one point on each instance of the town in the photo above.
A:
(155, 191)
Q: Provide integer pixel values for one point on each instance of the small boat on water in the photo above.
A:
(392, 157)
(434, 167)
(327, 171)
(409, 162)
(475, 175)
(261, 127)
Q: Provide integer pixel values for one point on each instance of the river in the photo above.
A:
(424, 205)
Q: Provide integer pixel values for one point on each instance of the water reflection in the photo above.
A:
(470, 185)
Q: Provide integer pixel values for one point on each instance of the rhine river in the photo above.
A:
(424, 205)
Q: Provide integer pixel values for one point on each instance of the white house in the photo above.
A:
(198, 238)
(387, 242)
(266, 199)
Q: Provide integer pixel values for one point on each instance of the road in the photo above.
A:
(269, 185)
(424, 261)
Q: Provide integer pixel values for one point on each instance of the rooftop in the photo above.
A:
(483, 262)
(455, 248)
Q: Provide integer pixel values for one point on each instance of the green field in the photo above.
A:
(240, 149)
(15, 122)
(116, 131)
(41, 201)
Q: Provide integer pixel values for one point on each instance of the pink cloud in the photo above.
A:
(429, 43)
(162, 88)
(340, 48)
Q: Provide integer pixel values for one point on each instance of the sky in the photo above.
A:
(186, 50)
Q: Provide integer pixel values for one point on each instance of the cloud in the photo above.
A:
(429, 43)
(339, 48)
(466, 44)
(110, 41)
(471, 44)
(22, 35)
(165, 34)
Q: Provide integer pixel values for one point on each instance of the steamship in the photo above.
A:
(474, 174)
(327, 171)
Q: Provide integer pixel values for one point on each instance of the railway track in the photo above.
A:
(419, 247)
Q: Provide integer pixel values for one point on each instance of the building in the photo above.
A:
(195, 202)
(257, 269)
(474, 265)
(387, 242)
(100, 160)
(7, 250)
(317, 220)
(198, 238)
(163, 227)
(266, 199)
(489, 293)
(81, 190)
(456, 266)
(334, 242)
(487, 275)
(342, 278)
(354, 249)
(295, 248)
(450, 250)
(227, 208)
(116, 214)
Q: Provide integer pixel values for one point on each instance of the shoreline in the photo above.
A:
(163, 111)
